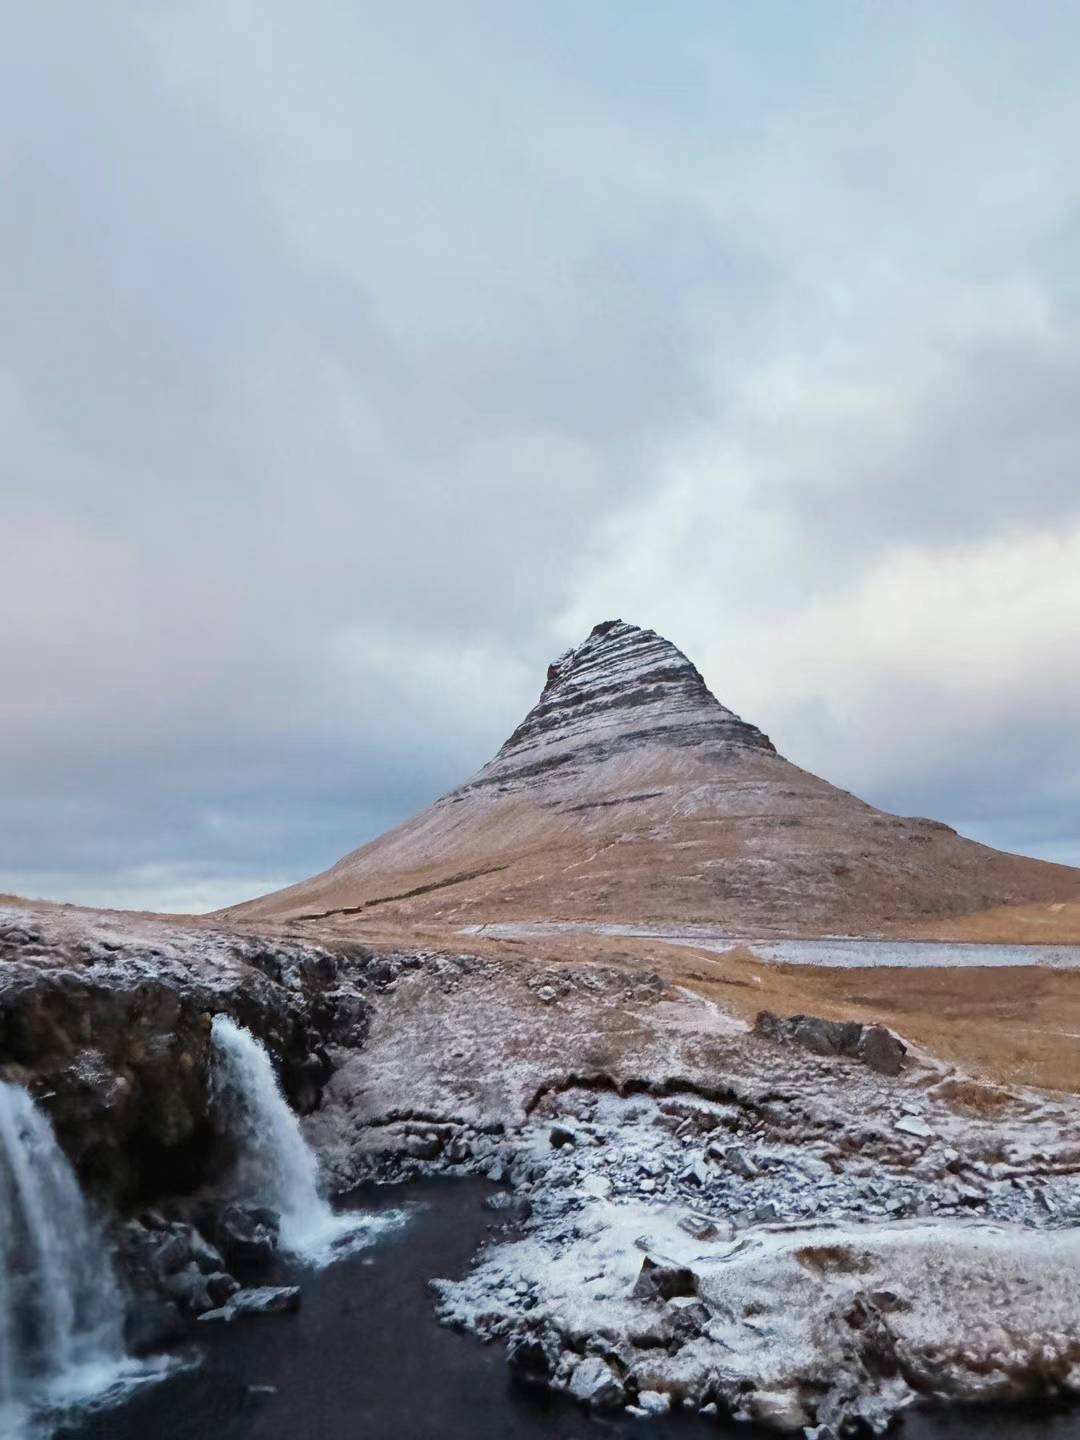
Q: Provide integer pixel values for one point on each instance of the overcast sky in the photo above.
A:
(356, 358)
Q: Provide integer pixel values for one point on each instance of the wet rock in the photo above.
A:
(501, 1200)
(533, 1352)
(663, 1282)
(259, 1300)
(188, 1289)
(221, 1287)
(172, 1254)
(459, 1150)
(246, 1234)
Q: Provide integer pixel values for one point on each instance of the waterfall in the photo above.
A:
(274, 1166)
(61, 1311)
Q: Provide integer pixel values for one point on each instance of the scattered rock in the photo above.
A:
(653, 1402)
(912, 1125)
(703, 1227)
(741, 1163)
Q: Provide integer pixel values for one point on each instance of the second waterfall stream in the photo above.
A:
(275, 1166)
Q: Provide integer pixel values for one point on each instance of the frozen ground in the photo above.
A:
(825, 1242)
(845, 952)
(681, 1252)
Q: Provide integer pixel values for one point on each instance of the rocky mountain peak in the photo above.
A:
(621, 688)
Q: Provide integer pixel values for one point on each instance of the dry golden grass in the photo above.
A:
(1046, 923)
(1011, 1025)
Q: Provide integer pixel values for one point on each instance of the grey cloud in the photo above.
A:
(338, 343)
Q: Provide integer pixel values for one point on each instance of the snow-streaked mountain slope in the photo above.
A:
(630, 793)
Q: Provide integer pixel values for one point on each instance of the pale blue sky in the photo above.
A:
(355, 359)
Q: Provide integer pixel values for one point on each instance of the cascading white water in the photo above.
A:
(61, 1311)
(275, 1166)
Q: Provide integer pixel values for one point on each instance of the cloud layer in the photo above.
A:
(353, 364)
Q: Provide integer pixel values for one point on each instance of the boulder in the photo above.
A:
(595, 1384)
(187, 1288)
(704, 1227)
(533, 1351)
(663, 1282)
(259, 1300)
(827, 1037)
(653, 1402)
(246, 1234)
(779, 1410)
(881, 1050)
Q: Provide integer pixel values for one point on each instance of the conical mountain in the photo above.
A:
(630, 794)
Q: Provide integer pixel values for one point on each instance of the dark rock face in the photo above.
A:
(247, 1234)
(621, 687)
(533, 1351)
(663, 1282)
(881, 1050)
(874, 1045)
(108, 1024)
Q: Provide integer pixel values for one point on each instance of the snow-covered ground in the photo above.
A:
(680, 1253)
(845, 952)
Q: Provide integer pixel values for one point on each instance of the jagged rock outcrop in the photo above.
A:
(106, 1019)
(874, 1045)
(630, 794)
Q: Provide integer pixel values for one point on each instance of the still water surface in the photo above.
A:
(365, 1360)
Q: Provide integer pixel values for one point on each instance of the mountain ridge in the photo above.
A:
(629, 792)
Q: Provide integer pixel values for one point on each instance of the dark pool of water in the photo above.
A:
(365, 1360)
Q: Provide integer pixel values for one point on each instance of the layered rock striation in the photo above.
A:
(620, 689)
